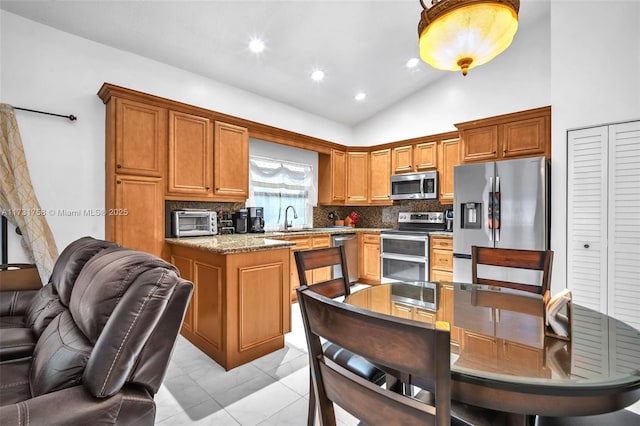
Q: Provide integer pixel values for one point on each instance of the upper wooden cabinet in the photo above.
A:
(425, 156)
(190, 155)
(402, 159)
(448, 158)
(331, 177)
(357, 177)
(231, 158)
(517, 135)
(140, 135)
(380, 177)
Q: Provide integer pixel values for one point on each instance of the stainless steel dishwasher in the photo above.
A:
(350, 243)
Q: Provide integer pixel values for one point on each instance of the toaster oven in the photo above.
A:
(193, 223)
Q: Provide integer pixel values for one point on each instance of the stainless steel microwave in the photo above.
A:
(415, 186)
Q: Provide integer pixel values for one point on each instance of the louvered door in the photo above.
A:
(603, 207)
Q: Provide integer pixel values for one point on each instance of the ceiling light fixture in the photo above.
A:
(256, 45)
(361, 96)
(317, 75)
(462, 34)
(413, 62)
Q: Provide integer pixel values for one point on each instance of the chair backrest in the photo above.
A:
(536, 260)
(309, 260)
(397, 345)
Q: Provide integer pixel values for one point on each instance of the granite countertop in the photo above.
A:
(246, 243)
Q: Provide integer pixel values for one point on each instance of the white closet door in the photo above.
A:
(624, 223)
(587, 216)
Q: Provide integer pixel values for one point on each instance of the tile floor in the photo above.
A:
(272, 390)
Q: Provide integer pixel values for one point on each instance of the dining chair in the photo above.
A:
(535, 260)
(336, 287)
(407, 348)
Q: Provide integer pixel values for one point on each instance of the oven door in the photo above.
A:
(404, 268)
(405, 245)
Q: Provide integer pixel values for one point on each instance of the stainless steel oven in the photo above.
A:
(404, 257)
(404, 253)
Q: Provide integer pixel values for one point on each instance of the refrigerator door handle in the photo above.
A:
(490, 210)
(496, 209)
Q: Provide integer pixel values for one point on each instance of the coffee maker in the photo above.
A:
(240, 221)
(256, 219)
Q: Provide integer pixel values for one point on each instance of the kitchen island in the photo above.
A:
(241, 304)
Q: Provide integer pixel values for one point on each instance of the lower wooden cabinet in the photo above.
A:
(407, 311)
(240, 307)
(315, 276)
(441, 258)
(369, 258)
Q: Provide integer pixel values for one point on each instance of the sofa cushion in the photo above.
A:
(12, 321)
(14, 386)
(60, 356)
(16, 343)
(44, 307)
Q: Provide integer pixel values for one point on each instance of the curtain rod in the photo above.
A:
(71, 117)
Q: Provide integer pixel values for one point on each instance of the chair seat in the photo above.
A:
(15, 382)
(353, 363)
(617, 418)
(16, 343)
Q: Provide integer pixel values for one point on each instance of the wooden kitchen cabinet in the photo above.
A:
(402, 159)
(138, 142)
(190, 155)
(331, 178)
(445, 308)
(517, 135)
(425, 156)
(134, 216)
(441, 256)
(357, 178)
(369, 258)
(380, 177)
(449, 158)
(407, 311)
(231, 161)
(313, 276)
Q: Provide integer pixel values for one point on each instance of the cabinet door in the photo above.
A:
(449, 158)
(357, 177)
(380, 176)
(140, 138)
(424, 315)
(445, 310)
(402, 159)
(370, 259)
(321, 274)
(425, 156)
(480, 144)
(231, 174)
(137, 221)
(401, 310)
(190, 155)
(301, 244)
(338, 166)
(208, 303)
(525, 138)
(185, 267)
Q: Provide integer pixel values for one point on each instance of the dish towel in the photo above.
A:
(18, 202)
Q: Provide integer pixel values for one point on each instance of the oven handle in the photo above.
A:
(404, 257)
(405, 237)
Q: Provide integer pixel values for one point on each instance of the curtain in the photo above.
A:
(18, 201)
(276, 184)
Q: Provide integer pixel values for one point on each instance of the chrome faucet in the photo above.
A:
(288, 224)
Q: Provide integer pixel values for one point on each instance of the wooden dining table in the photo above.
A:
(501, 357)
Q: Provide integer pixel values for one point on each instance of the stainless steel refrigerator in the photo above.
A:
(502, 204)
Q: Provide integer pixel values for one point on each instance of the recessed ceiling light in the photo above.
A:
(412, 63)
(317, 75)
(361, 96)
(256, 45)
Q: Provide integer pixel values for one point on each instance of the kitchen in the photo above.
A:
(543, 67)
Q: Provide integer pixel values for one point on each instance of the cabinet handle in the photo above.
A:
(118, 182)
(118, 166)
(208, 188)
(586, 245)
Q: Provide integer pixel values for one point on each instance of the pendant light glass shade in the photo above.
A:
(462, 34)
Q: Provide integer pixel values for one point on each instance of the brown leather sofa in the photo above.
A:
(105, 355)
(25, 314)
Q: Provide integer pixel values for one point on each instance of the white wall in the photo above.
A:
(517, 79)
(595, 79)
(43, 68)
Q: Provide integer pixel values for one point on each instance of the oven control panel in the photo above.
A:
(421, 217)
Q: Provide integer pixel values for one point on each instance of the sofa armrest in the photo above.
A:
(15, 303)
(19, 276)
(75, 406)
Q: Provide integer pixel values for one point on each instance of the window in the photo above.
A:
(275, 185)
